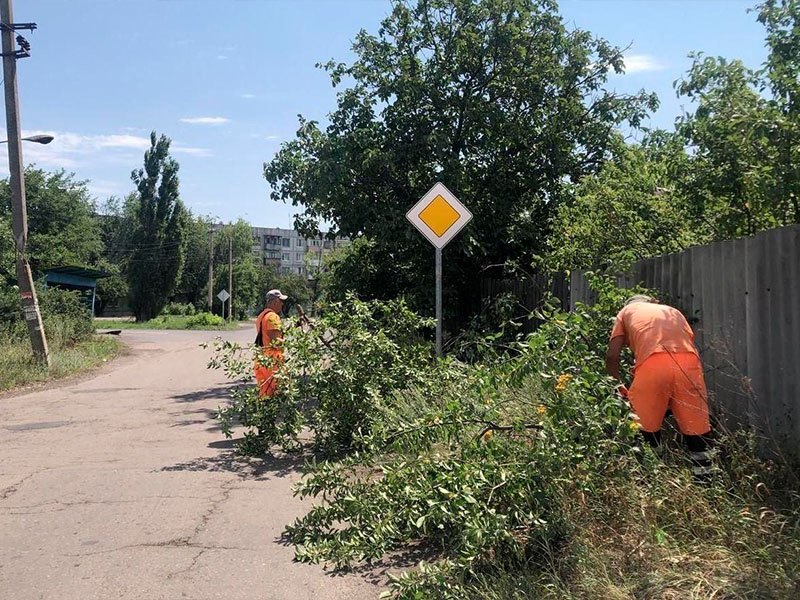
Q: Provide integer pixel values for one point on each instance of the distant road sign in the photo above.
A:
(439, 216)
(224, 295)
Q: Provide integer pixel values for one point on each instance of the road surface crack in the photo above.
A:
(225, 493)
(14, 488)
(167, 544)
(62, 505)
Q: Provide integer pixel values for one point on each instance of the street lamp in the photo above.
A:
(39, 139)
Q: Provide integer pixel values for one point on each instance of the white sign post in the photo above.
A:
(439, 216)
(223, 295)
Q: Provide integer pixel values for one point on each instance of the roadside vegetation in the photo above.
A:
(198, 321)
(518, 474)
(73, 346)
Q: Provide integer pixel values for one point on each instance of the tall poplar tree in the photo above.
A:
(157, 256)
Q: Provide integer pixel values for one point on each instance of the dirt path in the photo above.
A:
(122, 486)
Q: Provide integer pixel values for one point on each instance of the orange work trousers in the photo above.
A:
(671, 380)
(265, 372)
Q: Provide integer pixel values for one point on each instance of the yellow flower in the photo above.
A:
(635, 425)
(541, 409)
(562, 382)
(487, 436)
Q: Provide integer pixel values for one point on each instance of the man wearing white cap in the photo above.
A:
(269, 336)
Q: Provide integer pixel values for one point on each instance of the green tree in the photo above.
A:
(62, 228)
(117, 219)
(7, 253)
(158, 237)
(634, 208)
(744, 135)
(730, 176)
(781, 76)
(294, 285)
(248, 274)
(193, 286)
(495, 98)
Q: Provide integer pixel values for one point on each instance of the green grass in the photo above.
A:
(162, 322)
(17, 367)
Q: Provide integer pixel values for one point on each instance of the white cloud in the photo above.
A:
(203, 152)
(119, 141)
(222, 57)
(107, 187)
(112, 153)
(74, 151)
(640, 63)
(248, 96)
(205, 120)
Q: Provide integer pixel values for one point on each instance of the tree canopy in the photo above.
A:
(62, 229)
(497, 99)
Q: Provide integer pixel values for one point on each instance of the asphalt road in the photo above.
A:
(120, 485)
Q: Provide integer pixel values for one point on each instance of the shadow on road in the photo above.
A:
(200, 416)
(245, 467)
(219, 392)
(377, 572)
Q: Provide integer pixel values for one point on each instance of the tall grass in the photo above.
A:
(652, 533)
(73, 347)
(18, 368)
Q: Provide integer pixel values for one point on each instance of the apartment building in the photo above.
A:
(290, 252)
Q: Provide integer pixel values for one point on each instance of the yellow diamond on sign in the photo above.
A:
(439, 216)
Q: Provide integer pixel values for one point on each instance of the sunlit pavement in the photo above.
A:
(121, 485)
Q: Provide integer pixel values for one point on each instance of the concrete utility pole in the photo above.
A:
(230, 275)
(30, 305)
(211, 270)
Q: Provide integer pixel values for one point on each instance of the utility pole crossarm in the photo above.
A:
(25, 52)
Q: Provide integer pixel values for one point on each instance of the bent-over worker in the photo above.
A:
(269, 336)
(667, 374)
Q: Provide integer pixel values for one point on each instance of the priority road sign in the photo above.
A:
(439, 216)
(224, 295)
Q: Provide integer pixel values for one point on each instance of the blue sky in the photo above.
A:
(225, 79)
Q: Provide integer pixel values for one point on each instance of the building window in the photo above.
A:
(300, 270)
(300, 256)
(272, 240)
(285, 256)
(299, 243)
(286, 242)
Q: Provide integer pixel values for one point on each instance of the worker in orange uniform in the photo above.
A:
(667, 374)
(270, 337)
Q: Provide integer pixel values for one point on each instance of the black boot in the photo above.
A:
(701, 455)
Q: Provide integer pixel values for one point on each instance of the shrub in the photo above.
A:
(338, 371)
(179, 309)
(66, 316)
(203, 320)
(476, 463)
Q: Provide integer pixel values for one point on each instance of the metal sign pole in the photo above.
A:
(439, 302)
